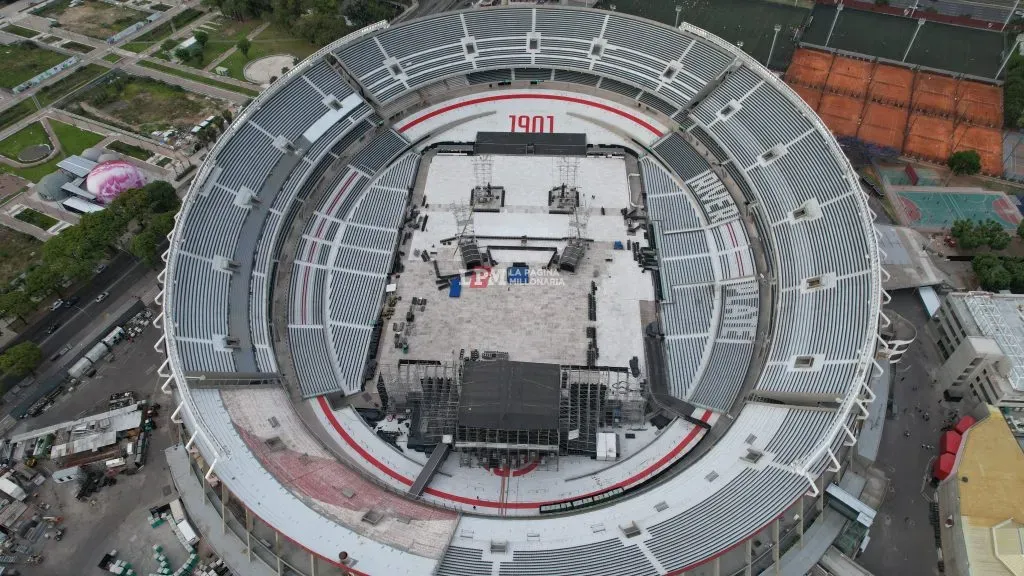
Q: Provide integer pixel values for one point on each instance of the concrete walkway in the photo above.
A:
(207, 520)
(251, 36)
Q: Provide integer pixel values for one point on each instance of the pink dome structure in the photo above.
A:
(109, 179)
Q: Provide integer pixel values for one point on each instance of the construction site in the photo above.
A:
(919, 114)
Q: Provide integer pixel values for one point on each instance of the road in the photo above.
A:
(120, 278)
(902, 541)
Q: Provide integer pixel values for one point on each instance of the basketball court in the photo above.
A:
(934, 208)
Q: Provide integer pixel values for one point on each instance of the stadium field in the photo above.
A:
(749, 21)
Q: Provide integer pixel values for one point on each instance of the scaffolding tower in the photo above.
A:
(427, 392)
(465, 240)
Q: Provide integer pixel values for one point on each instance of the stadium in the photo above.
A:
(522, 291)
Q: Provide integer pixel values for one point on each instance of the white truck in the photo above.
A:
(86, 366)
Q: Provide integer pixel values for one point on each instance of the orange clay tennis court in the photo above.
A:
(809, 67)
(840, 113)
(929, 137)
(980, 104)
(810, 95)
(883, 125)
(934, 94)
(987, 141)
(891, 85)
(849, 77)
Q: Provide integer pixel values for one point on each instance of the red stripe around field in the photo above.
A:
(635, 119)
(365, 454)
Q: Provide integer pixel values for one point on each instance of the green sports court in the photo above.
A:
(938, 210)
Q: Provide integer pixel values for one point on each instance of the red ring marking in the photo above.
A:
(518, 471)
(605, 107)
(667, 457)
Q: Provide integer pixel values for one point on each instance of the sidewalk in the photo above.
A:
(207, 520)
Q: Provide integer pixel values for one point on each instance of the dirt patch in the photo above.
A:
(99, 19)
(144, 105)
(262, 70)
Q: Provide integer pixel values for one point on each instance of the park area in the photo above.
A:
(143, 105)
(958, 49)
(164, 28)
(272, 40)
(24, 60)
(17, 251)
(92, 18)
(30, 138)
(73, 140)
(749, 21)
(222, 34)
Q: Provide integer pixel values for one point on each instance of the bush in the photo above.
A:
(964, 162)
(970, 235)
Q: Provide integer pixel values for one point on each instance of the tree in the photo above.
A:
(1020, 229)
(964, 162)
(999, 240)
(169, 45)
(17, 304)
(201, 37)
(243, 46)
(226, 114)
(966, 234)
(148, 244)
(44, 280)
(21, 359)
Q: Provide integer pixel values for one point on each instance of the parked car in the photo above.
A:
(102, 296)
(57, 304)
(71, 301)
(100, 268)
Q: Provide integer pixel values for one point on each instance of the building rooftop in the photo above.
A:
(990, 480)
(509, 395)
(1000, 317)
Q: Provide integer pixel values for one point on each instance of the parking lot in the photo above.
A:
(116, 516)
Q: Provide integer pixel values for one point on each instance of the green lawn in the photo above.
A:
(20, 62)
(53, 9)
(198, 78)
(49, 94)
(161, 31)
(73, 141)
(17, 251)
(112, 58)
(273, 40)
(37, 219)
(78, 47)
(19, 31)
(17, 112)
(160, 7)
(28, 136)
(224, 33)
(129, 150)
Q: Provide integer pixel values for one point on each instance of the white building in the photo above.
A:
(981, 339)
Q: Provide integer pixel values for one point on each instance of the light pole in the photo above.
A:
(920, 23)
(1010, 15)
(839, 9)
(768, 62)
(1016, 43)
(679, 10)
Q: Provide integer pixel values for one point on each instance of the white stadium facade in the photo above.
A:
(752, 332)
